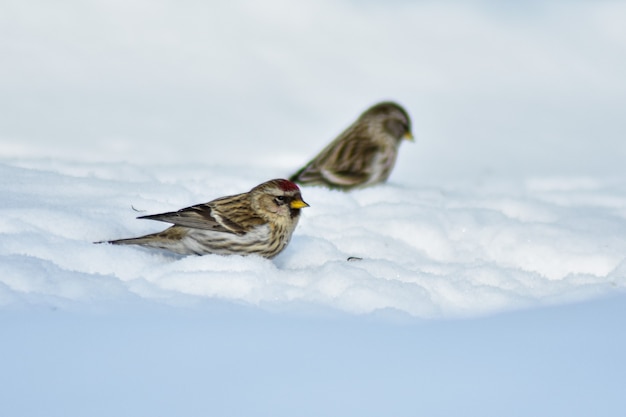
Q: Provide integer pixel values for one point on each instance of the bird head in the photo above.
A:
(277, 200)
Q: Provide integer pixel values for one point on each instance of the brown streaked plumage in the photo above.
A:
(362, 155)
(260, 221)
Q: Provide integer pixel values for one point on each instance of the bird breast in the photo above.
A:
(208, 241)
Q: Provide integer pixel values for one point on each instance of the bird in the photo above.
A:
(260, 222)
(362, 155)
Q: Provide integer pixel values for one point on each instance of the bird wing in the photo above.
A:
(345, 162)
(207, 216)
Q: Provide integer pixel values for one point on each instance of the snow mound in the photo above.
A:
(452, 251)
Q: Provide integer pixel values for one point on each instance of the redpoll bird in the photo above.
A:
(364, 154)
(257, 222)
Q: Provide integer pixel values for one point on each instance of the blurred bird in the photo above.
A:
(260, 221)
(364, 154)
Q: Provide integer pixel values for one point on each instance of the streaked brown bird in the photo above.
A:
(362, 155)
(260, 221)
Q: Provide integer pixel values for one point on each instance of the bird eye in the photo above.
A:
(280, 199)
(396, 127)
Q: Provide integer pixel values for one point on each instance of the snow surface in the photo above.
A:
(429, 252)
(486, 278)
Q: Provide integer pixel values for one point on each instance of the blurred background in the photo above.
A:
(495, 89)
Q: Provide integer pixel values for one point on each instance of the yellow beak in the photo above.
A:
(408, 136)
(298, 204)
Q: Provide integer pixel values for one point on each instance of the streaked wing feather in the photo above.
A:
(346, 162)
(346, 179)
(200, 216)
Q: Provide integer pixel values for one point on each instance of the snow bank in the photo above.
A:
(452, 251)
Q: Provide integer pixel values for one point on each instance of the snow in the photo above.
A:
(486, 277)
(428, 252)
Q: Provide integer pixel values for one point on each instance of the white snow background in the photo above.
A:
(493, 263)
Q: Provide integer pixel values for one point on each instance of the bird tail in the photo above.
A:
(296, 177)
(129, 241)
